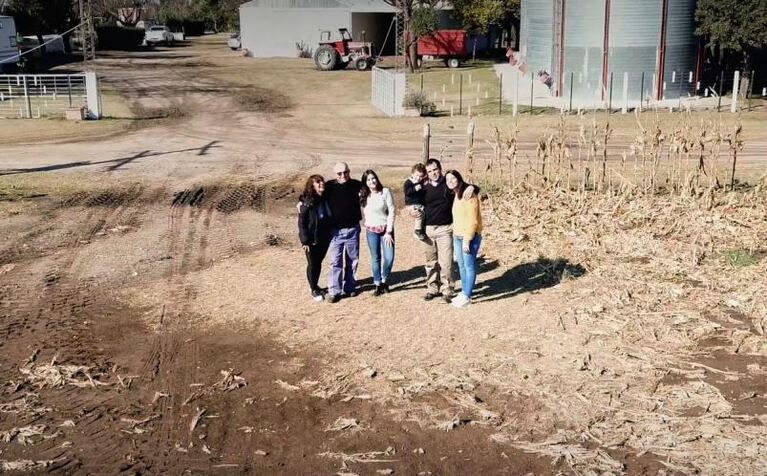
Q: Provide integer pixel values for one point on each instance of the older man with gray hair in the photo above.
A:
(343, 196)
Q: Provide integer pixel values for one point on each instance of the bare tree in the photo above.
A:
(127, 12)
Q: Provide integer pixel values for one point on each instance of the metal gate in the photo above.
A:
(388, 91)
(28, 96)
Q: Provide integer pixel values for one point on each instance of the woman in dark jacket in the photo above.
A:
(314, 227)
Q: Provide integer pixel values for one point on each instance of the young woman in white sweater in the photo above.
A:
(378, 211)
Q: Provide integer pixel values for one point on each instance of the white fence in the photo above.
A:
(27, 96)
(388, 91)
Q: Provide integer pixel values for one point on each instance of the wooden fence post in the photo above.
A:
(469, 155)
(426, 142)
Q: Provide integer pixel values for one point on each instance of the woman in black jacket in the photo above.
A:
(314, 225)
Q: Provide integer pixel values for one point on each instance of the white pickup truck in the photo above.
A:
(9, 52)
(158, 34)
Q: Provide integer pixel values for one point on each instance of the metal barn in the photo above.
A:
(271, 28)
(587, 46)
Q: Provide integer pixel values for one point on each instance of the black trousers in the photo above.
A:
(314, 258)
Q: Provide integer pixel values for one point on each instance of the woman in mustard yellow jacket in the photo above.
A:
(467, 236)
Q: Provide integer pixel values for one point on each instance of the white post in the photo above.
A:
(516, 97)
(401, 88)
(735, 85)
(92, 95)
(625, 106)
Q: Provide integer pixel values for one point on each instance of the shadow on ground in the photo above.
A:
(527, 277)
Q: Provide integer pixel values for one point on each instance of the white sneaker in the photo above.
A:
(460, 301)
(318, 297)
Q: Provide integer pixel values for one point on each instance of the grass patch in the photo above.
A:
(740, 258)
(257, 99)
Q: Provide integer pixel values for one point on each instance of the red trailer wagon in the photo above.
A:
(446, 45)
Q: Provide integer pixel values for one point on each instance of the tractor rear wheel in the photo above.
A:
(362, 64)
(326, 57)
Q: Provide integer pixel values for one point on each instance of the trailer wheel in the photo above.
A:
(361, 64)
(453, 62)
(326, 58)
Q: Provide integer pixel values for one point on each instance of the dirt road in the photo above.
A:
(201, 91)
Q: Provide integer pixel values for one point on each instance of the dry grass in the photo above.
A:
(691, 156)
(118, 118)
(76, 190)
(256, 99)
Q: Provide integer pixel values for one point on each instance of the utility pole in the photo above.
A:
(400, 43)
(87, 33)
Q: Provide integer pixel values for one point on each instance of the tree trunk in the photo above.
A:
(412, 56)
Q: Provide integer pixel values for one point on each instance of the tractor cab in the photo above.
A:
(338, 54)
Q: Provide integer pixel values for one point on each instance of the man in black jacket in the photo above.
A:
(343, 197)
(438, 220)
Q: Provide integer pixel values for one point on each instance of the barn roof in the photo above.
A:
(350, 5)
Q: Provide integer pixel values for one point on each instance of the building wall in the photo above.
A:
(267, 32)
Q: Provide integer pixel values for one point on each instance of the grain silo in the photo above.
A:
(592, 41)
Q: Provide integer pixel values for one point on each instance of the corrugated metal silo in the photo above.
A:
(634, 37)
(679, 52)
(584, 25)
(651, 37)
(536, 38)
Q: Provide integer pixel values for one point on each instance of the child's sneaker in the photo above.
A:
(460, 301)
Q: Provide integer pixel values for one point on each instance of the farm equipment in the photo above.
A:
(446, 45)
(339, 54)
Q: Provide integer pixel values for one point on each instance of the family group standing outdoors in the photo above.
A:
(448, 223)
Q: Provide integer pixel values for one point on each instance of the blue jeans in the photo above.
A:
(467, 262)
(377, 249)
(344, 255)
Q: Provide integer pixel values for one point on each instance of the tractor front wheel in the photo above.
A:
(325, 58)
(362, 64)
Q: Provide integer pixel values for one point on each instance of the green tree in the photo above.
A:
(38, 17)
(480, 15)
(420, 19)
(735, 26)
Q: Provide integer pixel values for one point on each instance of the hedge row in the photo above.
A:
(119, 38)
(189, 27)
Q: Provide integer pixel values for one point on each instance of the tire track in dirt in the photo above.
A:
(54, 309)
(172, 360)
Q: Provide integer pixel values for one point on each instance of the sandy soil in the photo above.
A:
(155, 319)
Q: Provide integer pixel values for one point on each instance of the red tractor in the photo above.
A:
(332, 55)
